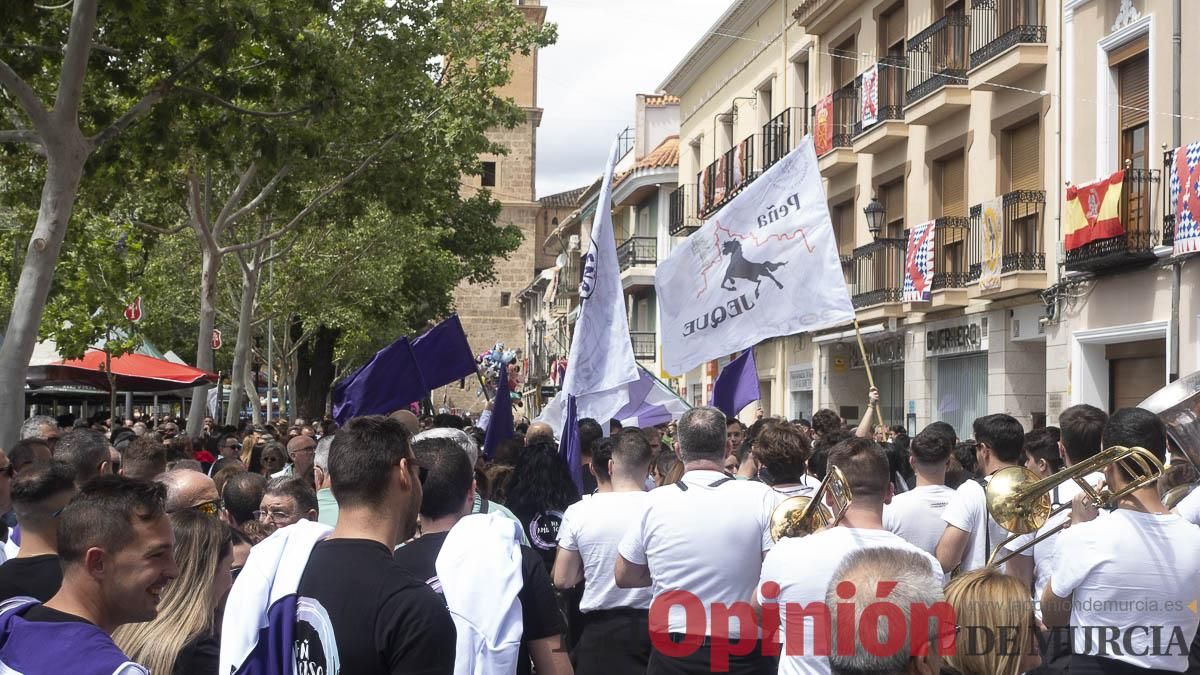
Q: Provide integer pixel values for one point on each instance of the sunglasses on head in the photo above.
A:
(211, 507)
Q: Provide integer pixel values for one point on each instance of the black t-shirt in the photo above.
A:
(38, 577)
(199, 656)
(539, 608)
(542, 528)
(383, 620)
(44, 613)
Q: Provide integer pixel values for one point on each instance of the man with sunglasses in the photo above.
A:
(39, 495)
(301, 450)
(188, 489)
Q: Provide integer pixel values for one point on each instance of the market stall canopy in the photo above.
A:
(134, 372)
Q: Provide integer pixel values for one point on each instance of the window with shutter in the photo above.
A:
(893, 30)
(951, 185)
(1023, 157)
(843, 228)
(845, 63)
(1133, 86)
(892, 196)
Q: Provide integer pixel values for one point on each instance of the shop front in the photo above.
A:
(957, 350)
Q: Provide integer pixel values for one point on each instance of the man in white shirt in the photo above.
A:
(781, 452)
(702, 539)
(616, 633)
(971, 534)
(799, 570)
(1080, 430)
(916, 516)
(1127, 584)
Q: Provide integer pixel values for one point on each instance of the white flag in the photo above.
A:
(765, 265)
(601, 363)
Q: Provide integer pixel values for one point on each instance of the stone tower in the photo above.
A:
(492, 313)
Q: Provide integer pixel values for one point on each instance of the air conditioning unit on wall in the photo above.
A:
(1026, 324)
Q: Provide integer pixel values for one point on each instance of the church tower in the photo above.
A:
(491, 313)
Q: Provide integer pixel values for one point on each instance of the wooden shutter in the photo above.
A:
(843, 228)
(1024, 157)
(845, 61)
(893, 205)
(892, 28)
(1133, 84)
(953, 182)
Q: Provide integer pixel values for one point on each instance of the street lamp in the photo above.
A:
(874, 213)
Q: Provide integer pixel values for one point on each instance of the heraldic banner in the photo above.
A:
(823, 125)
(993, 244)
(918, 263)
(1185, 198)
(1094, 211)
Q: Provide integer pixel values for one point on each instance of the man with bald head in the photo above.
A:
(539, 432)
(302, 450)
(188, 489)
(410, 422)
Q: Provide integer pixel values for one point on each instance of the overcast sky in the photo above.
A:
(607, 51)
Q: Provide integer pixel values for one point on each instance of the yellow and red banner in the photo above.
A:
(823, 125)
(1094, 211)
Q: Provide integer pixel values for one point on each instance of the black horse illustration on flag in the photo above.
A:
(740, 268)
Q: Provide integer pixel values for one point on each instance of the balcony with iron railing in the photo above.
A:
(948, 288)
(1170, 201)
(1008, 42)
(1006, 254)
(645, 345)
(561, 305)
(1135, 247)
(844, 126)
(637, 251)
(889, 127)
(782, 134)
(722, 180)
(683, 211)
(938, 59)
(878, 279)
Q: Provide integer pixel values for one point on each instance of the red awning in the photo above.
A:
(134, 372)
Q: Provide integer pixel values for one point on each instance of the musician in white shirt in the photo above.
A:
(916, 516)
(1127, 583)
(781, 452)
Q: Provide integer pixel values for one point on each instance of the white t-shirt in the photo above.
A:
(1189, 507)
(1043, 552)
(705, 540)
(1136, 572)
(806, 487)
(804, 566)
(916, 516)
(593, 527)
(967, 511)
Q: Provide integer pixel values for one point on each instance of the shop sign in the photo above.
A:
(801, 379)
(885, 352)
(957, 336)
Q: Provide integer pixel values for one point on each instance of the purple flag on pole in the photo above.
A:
(444, 354)
(737, 385)
(568, 445)
(390, 380)
(500, 429)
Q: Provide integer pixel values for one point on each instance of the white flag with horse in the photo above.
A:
(765, 265)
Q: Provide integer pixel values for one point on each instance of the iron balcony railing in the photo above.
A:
(645, 345)
(999, 25)
(1022, 227)
(637, 251)
(937, 56)
(1168, 207)
(846, 111)
(890, 97)
(781, 134)
(878, 273)
(950, 250)
(1136, 246)
(561, 305)
(724, 178)
(683, 216)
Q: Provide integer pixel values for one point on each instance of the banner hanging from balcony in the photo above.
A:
(823, 125)
(1185, 197)
(919, 264)
(1094, 211)
(992, 262)
(765, 265)
(870, 96)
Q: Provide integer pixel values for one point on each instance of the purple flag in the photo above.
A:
(568, 445)
(444, 354)
(389, 381)
(737, 385)
(500, 429)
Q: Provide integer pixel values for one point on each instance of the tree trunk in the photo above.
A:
(245, 339)
(210, 267)
(64, 169)
(315, 372)
(251, 385)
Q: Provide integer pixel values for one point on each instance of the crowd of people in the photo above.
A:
(395, 544)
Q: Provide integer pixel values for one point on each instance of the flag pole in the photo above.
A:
(664, 385)
(867, 365)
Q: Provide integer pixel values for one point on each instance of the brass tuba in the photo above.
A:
(1019, 500)
(802, 515)
(1178, 406)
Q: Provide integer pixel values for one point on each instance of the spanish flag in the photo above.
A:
(1094, 211)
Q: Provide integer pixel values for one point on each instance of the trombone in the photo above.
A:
(1019, 500)
(802, 515)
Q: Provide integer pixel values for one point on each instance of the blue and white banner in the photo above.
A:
(765, 265)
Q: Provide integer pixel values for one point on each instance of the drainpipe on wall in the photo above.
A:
(1176, 141)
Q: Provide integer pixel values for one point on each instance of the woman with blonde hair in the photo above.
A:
(183, 638)
(995, 624)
